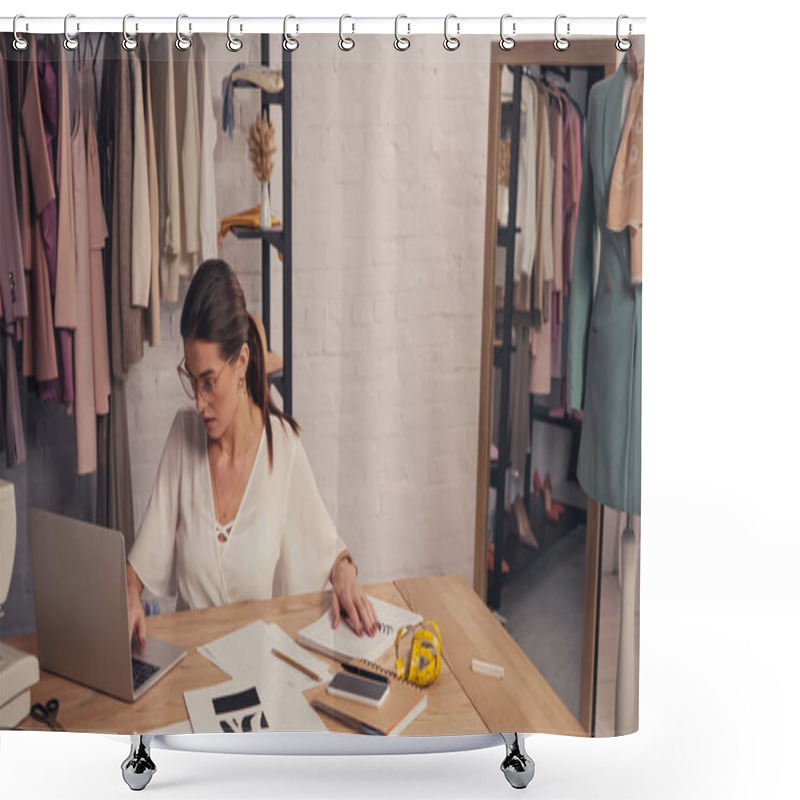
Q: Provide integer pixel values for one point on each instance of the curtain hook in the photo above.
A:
(128, 42)
(561, 42)
(346, 42)
(20, 42)
(70, 42)
(507, 42)
(401, 42)
(623, 44)
(233, 44)
(289, 42)
(181, 41)
(451, 42)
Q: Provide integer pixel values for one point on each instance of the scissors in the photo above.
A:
(47, 713)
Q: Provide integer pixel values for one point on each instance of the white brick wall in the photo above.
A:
(389, 178)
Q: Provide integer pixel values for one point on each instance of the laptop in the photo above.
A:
(81, 602)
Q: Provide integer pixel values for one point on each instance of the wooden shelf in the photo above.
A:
(276, 98)
(272, 235)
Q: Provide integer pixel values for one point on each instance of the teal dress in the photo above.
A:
(604, 360)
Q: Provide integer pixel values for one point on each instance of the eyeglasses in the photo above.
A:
(205, 387)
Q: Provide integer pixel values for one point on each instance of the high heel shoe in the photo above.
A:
(490, 560)
(552, 509)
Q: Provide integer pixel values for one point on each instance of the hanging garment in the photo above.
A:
(572, 196)
(208, 141)
(153, 313)
(188, 133)
(13, 297)
(541, 347)
(557, 142)
(85, 416)
(544, 203)
(66, 301)
(168, 164)
(49, 100)
(526, 184)
(625, 194)
(141, 239)
(105, 115)
(98, 233)
(126, 320)
(527, 189)
(119, 509)
(605, 335)
(40, 358)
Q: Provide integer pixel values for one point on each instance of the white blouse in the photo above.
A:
(282, 540)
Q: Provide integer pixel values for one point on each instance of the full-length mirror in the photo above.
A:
(561, 377)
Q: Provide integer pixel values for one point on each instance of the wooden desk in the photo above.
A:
(460, 701)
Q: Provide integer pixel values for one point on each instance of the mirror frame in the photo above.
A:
(582, 51)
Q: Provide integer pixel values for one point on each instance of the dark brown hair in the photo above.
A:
(214, 311)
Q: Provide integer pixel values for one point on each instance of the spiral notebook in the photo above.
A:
(404, 703)
(343, 644)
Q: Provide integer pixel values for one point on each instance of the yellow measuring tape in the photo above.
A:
(425, 662)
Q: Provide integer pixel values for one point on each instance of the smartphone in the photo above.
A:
(359, 688)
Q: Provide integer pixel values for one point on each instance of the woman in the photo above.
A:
(235, 513)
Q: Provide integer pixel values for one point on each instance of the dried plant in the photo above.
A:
(504, 165)
(261, 141)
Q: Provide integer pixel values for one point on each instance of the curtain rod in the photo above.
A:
(297, 26)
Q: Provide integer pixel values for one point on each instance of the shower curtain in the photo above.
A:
(332, 203)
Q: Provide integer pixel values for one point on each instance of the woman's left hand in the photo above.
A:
(349, 600)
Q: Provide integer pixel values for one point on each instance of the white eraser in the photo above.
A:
(485, 668)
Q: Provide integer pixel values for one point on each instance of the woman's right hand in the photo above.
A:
(136, 616)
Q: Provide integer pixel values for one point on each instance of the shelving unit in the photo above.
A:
(279, 366)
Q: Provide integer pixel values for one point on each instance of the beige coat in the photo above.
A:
(85, 421)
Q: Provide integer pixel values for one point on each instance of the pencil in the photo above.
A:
(305, 670)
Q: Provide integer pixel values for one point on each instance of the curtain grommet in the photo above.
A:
(623, 45)
(233, 44)
(560, 43)
(20, 43)
(401, 43)
(346, 43)
(182, 42)
(451, 43)
(507, 42)
(128, 42)
(290, 43)
(70, 41)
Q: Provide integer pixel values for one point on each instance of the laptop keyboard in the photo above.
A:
(141, 671)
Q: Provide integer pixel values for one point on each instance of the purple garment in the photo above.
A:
(61, 389)
(48, 92)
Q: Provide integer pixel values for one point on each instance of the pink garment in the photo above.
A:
(541, 349)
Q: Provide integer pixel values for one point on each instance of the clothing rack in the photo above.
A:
(279, 375)
(503, 348)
